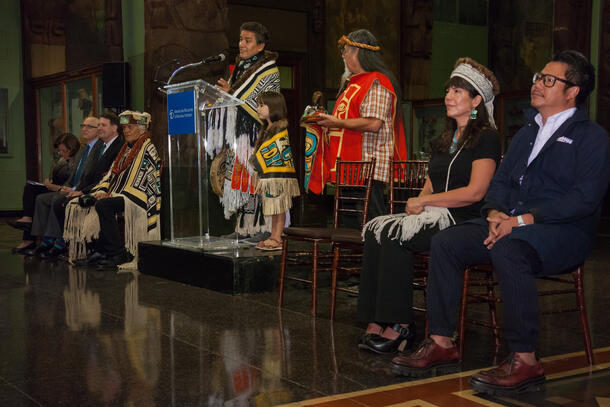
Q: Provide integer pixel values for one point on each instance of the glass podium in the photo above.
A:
(188, 105)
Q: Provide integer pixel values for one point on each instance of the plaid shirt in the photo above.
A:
(377, 104)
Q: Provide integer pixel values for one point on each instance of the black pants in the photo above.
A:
(516, 265)
(386, 279)
(30, 192)
(109, 242)
(377, 206)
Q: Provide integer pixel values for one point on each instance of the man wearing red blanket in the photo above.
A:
(366, 121)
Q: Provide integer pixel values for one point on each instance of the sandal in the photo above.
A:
(269, 244)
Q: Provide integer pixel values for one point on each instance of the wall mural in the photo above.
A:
(183, 30)
(3, 121)
(64, 35)
(381, 17)
(521, 41)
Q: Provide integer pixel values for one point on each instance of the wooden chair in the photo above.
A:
(574, 286)
(355, 176)
(408, 178)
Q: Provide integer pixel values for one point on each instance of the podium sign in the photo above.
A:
(181, 112)
(188, 104)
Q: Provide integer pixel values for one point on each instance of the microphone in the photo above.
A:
(216, 58)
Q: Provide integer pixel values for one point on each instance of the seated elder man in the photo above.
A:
(539, 218)
(133, 187)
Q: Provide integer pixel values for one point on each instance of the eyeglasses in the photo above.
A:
(88, 126)
(548, 80)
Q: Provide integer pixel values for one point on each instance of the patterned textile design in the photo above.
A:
(481, 84)
(274, 168)
(314, 163)
(237, 129)
(274, 158)
(140, 186)
(245, 64)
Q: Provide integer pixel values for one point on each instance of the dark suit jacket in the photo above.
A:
(97, 166)
(563, 188)
(77, 158)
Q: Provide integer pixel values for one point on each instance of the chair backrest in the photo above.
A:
(353, 190)
(407, 180)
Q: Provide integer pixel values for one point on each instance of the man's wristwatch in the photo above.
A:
(520, 221)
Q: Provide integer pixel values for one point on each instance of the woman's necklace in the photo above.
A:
(454, 142)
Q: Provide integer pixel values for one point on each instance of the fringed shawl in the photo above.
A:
(140, 187)
(276, 178)
(403, 227)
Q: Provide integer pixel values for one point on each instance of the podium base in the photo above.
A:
(217, 264)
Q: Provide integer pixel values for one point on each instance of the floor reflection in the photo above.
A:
(89, 357)
(84, 337)
(247, 371)
(83, 308)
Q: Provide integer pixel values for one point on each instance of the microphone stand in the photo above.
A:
(177, 71)
(157, 69)
(191, 65)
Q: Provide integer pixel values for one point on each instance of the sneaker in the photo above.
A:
(258, 237)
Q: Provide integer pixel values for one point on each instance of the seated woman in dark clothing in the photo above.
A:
(464, 159)
(67, 145)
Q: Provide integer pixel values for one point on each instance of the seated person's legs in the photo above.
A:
(515, 263)
(59, 209)
(42, 211)
(385, 297)
(109, 242)
(30, 192)
(55, 227)
(451, 251)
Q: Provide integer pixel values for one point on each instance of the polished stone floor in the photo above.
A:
(83, 337)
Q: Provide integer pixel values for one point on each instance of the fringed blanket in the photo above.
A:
(135, 177)
(276, 178)
(403, 227)
(237, 130)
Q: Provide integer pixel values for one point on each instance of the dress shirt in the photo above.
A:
(546, 130)
(377, 104)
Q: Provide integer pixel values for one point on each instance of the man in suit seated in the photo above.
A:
(540, 216)
(132, 187)
(94, 159)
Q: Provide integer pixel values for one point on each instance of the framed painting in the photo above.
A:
(3, 121)
(510, 115)
(427, 122)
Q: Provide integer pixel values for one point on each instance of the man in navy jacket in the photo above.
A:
(539, 218)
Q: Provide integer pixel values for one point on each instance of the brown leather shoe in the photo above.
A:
(511, 377)
(427, 358)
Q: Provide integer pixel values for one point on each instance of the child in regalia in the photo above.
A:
(276, 177)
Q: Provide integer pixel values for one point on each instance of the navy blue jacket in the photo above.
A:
(563, 188)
